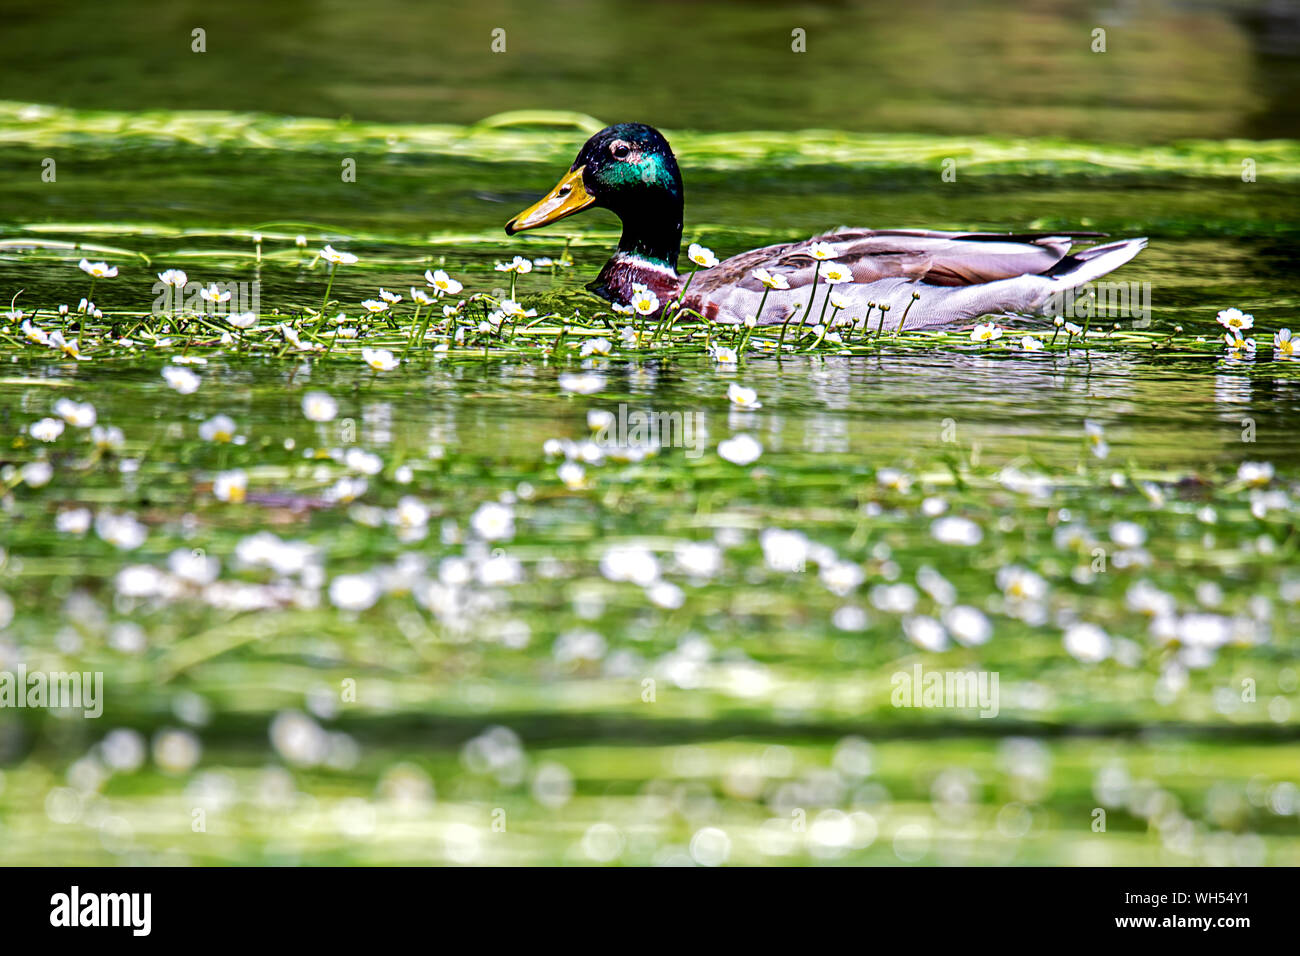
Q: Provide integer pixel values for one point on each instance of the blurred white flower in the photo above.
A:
(743, 397)
(354, 592)
(741, 450)
(230, 486)
(381, 360)
(181, 379)
(953, 529)
(47, 429)
(493, 521)
(319, 406)
(36, 474)
(218, 428)
(76, 414)
(1087, 642)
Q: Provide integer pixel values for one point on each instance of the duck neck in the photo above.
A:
(647, 255)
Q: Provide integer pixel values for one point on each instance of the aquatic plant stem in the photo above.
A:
(903, 318)
(780, 342)
(415, 328)
(324, 305)
(671, 310)
(749, 329)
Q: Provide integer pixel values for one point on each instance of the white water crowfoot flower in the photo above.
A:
(35, 333)
(822, 251)
(107, 438)
(741, 450)
(219, 429)
(73, 521)
(644, 302)
(987, 332)
(1031, 344)
(230, 486)
(723, 355)
(1236, 320)
(46, 430)
(215, 294)
(442, 283)
(1237, 345)
(1087, 643)
(493, 521)
(894, 479)
(516, 311)
(390, 297)
(319, 407)
(337, 257)
(381, 360)
(181, 379)
(175, 278)
(598, 346)
(1283, 344)
(354, 592)
(573, 475)
(518, 265)
(836, 273)
(771, 281)
(1255, 474)
(375, 306)
(72, 349)
(954, 529)
(76, 414)
(121, 531)
(743, 397)
(292, 337)
(702, 256)
(1096, 439)
(98, 270)
(37, 474)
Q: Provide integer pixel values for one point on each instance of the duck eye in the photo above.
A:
(620, 150)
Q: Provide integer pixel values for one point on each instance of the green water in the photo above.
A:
(660, 702)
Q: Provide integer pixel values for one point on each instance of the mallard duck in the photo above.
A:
(936, 278)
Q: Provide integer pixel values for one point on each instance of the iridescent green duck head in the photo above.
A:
(630, 170)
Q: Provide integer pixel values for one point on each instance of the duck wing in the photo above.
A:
(937, 258)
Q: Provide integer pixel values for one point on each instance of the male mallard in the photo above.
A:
(936, 277)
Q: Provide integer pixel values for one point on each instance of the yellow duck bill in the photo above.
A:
(568, 196)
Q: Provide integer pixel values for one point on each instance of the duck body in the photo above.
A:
(933, 278)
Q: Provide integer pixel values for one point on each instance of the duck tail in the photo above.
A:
(1092, 263)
